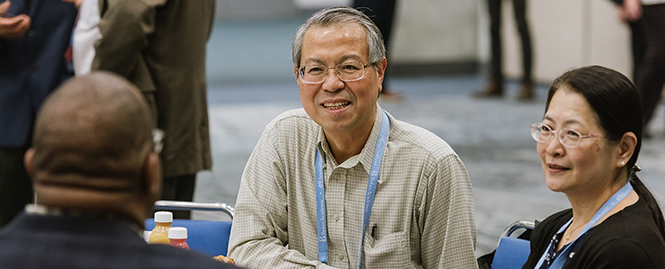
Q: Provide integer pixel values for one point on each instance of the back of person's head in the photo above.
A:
(618, 108)
(93, 148)
(340, 15)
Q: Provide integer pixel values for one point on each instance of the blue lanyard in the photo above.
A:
(564, 254)
(369, 194)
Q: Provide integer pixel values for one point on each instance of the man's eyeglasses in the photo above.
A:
(568, 137)
(157, 140)
(349, 71)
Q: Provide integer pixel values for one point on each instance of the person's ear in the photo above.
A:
(626, 148)
(28, 162)
(381, 70)
(152, 176)
(295, 71)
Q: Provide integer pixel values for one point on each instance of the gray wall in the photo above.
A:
(435, 31)
(567, 34)
(435, 37)
(254, 9)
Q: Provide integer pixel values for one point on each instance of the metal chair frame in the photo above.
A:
(177, 205)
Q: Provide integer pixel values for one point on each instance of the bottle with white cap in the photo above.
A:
(160, 234)
(178, 237)
(146, 236)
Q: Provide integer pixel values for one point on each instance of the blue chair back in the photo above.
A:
(209, 237)
(511, 253)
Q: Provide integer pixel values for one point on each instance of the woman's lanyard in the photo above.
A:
(554, 260)
(369, 194)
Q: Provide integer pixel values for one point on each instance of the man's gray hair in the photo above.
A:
(337, 16)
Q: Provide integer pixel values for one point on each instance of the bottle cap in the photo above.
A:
(163, 216)
(146, 235)
(178, 233)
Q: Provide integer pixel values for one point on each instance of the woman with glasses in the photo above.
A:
(588, 142)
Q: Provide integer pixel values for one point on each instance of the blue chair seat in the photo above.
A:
(511, 253)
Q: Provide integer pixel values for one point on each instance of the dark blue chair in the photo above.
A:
(209, 237)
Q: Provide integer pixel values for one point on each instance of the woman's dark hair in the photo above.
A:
(619, 110)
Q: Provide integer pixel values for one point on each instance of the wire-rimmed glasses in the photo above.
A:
(570, 138)
(348, 71)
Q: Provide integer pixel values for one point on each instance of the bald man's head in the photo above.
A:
(92, 139)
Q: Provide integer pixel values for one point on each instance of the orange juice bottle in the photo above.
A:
(160, 234)
(178, 237)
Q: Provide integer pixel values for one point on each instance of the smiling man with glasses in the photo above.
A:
(341, 183)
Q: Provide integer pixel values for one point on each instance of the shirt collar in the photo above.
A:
(35, 209)
(366, 155)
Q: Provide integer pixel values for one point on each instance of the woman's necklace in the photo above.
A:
(571, 232)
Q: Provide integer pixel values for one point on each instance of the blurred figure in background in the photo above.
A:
(649, 15)
(96, 172)
(34, 36)
(382, 13)
(637, 42)
(160, 46)
(494, 87)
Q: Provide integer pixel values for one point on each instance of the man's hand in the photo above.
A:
(631, 10)
(77, 3)
(14, 27)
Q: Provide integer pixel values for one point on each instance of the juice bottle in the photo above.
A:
(160, 234)
(178, 237)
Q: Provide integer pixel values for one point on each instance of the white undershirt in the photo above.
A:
(86, 34)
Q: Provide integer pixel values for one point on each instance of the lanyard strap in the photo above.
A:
(564, 253)
(322, 234)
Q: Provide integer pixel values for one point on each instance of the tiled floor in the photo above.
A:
(251, 81)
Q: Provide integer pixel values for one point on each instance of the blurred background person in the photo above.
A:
(637, 41)
(34, 37)
(588, 142)
(494, 86)
(96, 172)
(382, 13)
(160, 46)
(649, 19)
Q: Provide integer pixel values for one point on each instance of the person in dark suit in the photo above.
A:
(382, 13)
(647, 21)
(34, 36)
(96, 173)
(494, 87)
(637, 42)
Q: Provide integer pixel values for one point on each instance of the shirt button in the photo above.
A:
(337, 176)
(341, 257)
(336, 217)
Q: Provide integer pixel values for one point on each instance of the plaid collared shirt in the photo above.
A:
(422, 214)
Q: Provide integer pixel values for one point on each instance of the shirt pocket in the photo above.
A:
(389, 251)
